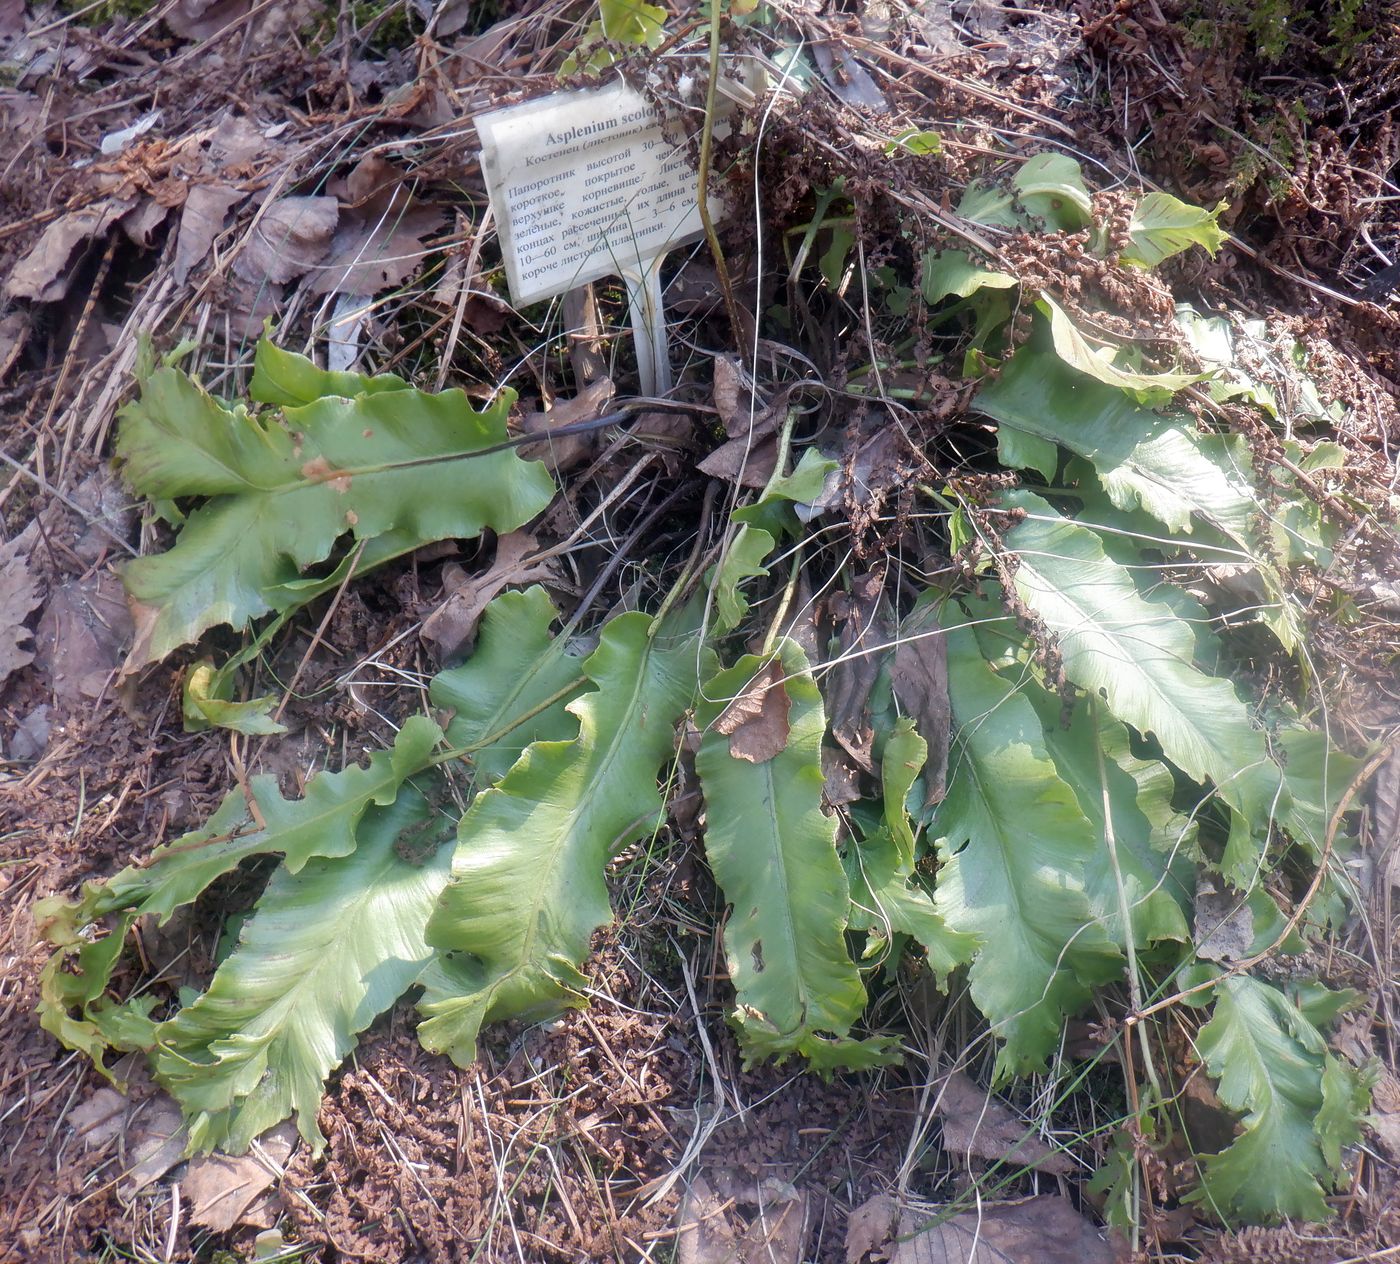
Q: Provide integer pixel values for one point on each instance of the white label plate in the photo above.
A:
(584, 185)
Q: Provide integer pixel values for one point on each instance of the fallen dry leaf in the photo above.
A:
(712, 1233)
(44, 274)
(141, 224)
(1385, 1113)
(750, 455)
(756, 722)
(562, 451)
(14, 335)
(779, 1228)
(705, 1235)
(222, 1188)
(155, 1142)
(367, 254)
(1224, 921)
(290, 237)
(1042, 1230)
(201, 220)
(199, 19)
(235, 143)
(739, 461)
(870, 1226)
(19, 596)
(149, 1134)
(858, 616)
(840, 777)
(99, 1119)
(975, 1123)
(452, 626)
(919, 677)
(80, 637)
(733, 397)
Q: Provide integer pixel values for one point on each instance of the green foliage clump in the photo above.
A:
(1099, 759)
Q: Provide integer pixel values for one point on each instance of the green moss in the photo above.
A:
(387, 25)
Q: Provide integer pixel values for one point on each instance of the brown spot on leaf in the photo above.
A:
(319, 470)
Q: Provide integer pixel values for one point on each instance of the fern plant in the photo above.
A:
(1098, 758)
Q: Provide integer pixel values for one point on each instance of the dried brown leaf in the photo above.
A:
(733, 396)
(919, 676)
(563, 451)
(140, 225)
(705, 1235)
(290, 237)
(19, 596)
(452, 626)
(201, 220)
(45, 273)
(742, 462)
(870, 1227)
(862, 630)
(368, 255)
(1042, 1230)
(221, 1188)
(80, 637)
(154, 1142)
(235, 143)
(756, 722)
(977, 1124)
(100, 1119)
(777, 1233)
(1224, 921)
(840, 777)
(200, 19)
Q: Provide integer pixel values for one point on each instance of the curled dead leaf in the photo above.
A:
(756, 722)
(19, 597)
(1041, 1230)
(976, 1123)
(290, 237)
(919, 677)
(222, 1189)
(451, 628)
(45, 273)
(201, 221)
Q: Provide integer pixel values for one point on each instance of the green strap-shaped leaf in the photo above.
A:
(1301, 1105)
(1153, 843)
(208, 705)
(887, 896)
(759, 527)
(773, 853)
(1051, 187)
(1162, 226)
(515, 687)
(326, 951)
(949, 273)
(1137, 654)
(904, 755)
(289, 380)
(388, 469)
(528, 888)
(1071, 347)
(322, 822)
(1015, 846)
(1155, 461)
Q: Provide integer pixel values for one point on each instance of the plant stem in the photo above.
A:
(707, 136)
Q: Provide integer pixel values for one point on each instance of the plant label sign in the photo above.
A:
(591, 184)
